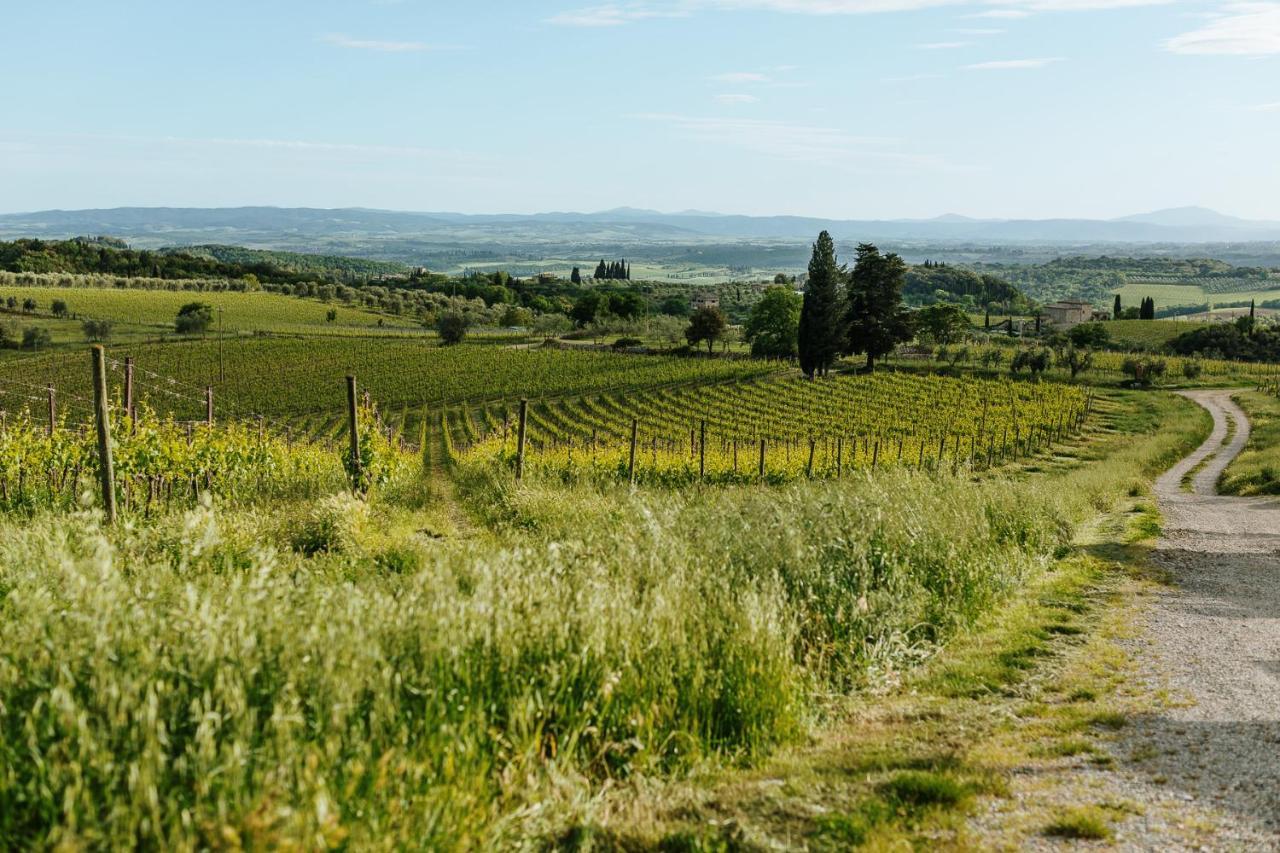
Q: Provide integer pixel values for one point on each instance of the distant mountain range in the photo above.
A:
(270, 227)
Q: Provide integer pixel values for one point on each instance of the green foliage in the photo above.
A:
(1091, 335)
(36, 338)
(708, 324)
(452, 328)
(96, 331)
(774, 324)
(194, 318)
(941, 323)
(1144, 370)
(877, 320)
(820, 333)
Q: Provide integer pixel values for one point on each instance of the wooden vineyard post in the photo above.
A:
(353, 427)
(106, 469)
(522, 432)
(762, 450)
(702, 451)
(53, 409)
(631, 459)
(875, 455)
(808, 469)
(128, 393)
(840, 456)
(208, 403)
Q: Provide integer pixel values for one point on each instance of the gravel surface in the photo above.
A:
(1212, 639)
(1197, 767)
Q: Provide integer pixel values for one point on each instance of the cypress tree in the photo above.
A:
(1115, 312)
(601, 272)
(821, 330)
(575, 276)
(986, 320)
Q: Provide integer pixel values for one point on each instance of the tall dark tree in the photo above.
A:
(820, 335)
(877, 320)
(986, 320)
(576, 276)
(1115, 312)
(602, 271)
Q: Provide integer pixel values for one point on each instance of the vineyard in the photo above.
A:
(778, 428)
(160, 464)
(295, 378)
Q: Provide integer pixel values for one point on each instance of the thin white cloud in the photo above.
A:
(741, 77)
(942, 45)
(737, 98)
(1011, 64)
(618, 13)
(615, 15)
(1243, 29)
(341, 40)
(1273, 107)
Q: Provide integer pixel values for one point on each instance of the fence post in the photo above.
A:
(521, 433)
(808, 469)
(702, 451)
(631, 460)
(762, 444)
(353, 426)
(53, 410)
(840, 456)
(128, 392)
(875, 455)
(208, 404)
(105, 467)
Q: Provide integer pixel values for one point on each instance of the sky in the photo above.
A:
(854, 109)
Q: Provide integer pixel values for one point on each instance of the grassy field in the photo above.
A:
(319, 671)
(1167, 295)
(1256, 471)
(1148, 334)
(137, 314)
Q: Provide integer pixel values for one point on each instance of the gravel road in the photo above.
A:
(1212, 640)
(1197, 767)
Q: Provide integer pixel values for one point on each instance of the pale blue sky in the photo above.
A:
(843, 108)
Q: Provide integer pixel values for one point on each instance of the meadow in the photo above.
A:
(149, 314)
(264, 653)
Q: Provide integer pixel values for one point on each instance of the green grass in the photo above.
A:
(1147, 334)
(1256, 471)
(1167, 295)
(1088, 823)
(150, 313)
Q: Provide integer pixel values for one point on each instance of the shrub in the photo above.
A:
(1143, 370)
(35, 338)
(452, 327)
(194, 318)
(96, 331)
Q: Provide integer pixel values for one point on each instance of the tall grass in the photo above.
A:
(202, 682)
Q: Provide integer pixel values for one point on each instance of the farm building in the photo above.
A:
(1069, 312)
(706, 299)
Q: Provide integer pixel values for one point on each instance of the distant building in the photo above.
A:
(1069, 312)
(707, 299)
